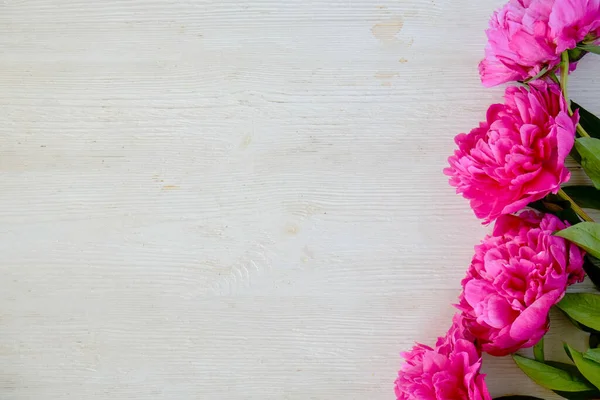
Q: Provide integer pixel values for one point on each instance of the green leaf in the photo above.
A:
(591, 266)
(585, 235)
(542, 72)
(589, 48)
(565, 367)
(587, 120)
(589, 150)
(584, 196)
(550, 377)
(586, 395)
(538, 350)
(588, 368)
(568, 351)
(593, 355)
(583, 308)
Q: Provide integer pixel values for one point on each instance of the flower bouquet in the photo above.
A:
(512, 170)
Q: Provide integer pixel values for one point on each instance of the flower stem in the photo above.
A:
(564, 81)
(564, 78)
(575, 206)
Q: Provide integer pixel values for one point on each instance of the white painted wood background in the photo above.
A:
(227, 199)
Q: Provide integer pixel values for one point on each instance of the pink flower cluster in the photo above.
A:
(527, 36)
(513, 158)
(518, 273)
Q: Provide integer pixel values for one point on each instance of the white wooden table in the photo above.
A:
(226, 199)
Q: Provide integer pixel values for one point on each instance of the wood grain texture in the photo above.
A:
(226, 199)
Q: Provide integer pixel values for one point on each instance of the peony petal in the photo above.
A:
(476, 291)
(500, 313)
(533, 321)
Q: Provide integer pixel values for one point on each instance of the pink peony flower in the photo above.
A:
(526, 36)
(448, 372)
(520, 44)
(516, 275)
(572, 21)
(517, 155)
